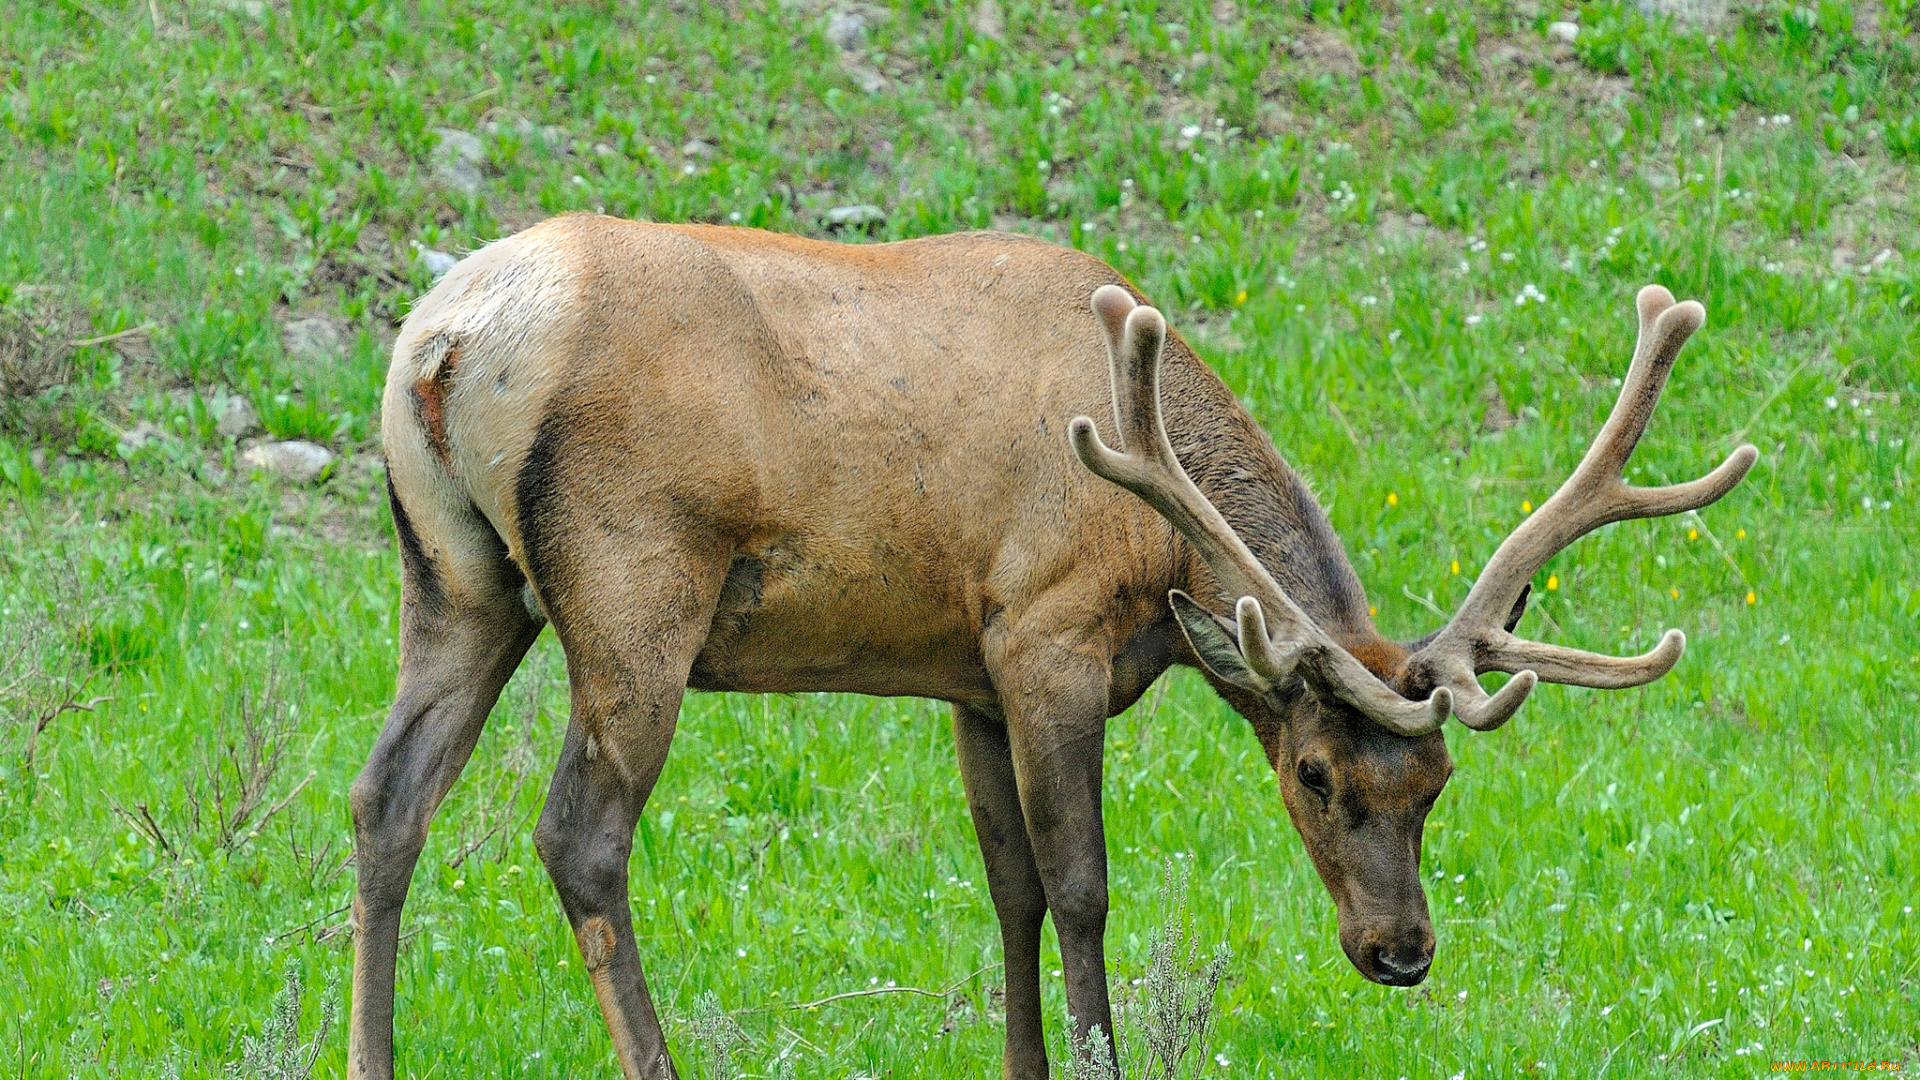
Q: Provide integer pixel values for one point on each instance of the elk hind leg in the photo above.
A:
(459, 647)
(628, 669)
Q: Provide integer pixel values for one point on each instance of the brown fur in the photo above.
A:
(1384, 658)
(732, 460)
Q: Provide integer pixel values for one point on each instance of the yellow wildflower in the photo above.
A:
(1393, 498)
(1740, 534)
(1242, 298)
(1526, 507)
(1456, 566)
(1675, 593)
(1553, 582)
(1693, 534)
(1751, 599)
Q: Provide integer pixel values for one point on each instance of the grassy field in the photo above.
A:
(1407, 234)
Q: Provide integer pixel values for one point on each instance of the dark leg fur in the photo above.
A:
(986, 765)
(454, 664)
(1055, 701)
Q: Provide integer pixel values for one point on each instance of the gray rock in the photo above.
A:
(457, 160)
(237, 418)
(866, 78)
(457, 143)
(139, 436)
(312, 339)
(846, 29)
(697, 148)
(988, 20)
(295, 459)
(1400, 228)
(437, 263)
(859, 214)
(1564, 31)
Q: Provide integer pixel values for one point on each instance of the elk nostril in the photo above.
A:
(1402, 966)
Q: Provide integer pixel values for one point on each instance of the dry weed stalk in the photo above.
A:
(320, 850)
(143, 823)
(239, 766)
(45, 669)
(32, 360)
(1168, 1014)
(716, 1034)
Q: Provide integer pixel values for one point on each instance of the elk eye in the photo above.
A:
(1313, 776)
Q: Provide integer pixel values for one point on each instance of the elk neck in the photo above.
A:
(1234, 462)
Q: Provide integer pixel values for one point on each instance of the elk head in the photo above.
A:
(1357, 746)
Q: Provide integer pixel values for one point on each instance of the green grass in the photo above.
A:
(1689, 879)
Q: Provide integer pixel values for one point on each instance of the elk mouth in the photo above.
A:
(1391, 960)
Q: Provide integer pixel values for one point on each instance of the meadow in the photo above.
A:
(1407, 234)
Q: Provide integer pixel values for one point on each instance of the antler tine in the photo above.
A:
(1577, 667)
(1484, 712)
(1148, 467)
(1597, 493)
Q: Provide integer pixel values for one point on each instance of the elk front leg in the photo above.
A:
(1019, 898)
(1055, 699)
(628, 665)
(452, 668)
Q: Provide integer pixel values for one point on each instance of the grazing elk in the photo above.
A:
(729, 460)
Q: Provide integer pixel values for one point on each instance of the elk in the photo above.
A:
(723, 459)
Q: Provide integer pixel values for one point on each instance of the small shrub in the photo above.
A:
(45, 663)
(278, 1052)
(32, 359)
(1167, 1014)
(240, 763)
(715, 1037)
(232, 798)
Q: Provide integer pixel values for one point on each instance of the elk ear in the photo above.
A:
(1214, 641)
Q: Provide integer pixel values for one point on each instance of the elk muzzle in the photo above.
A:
(1392, 951)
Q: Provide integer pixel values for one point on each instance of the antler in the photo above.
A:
(1149, 469)
(1476, 640)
